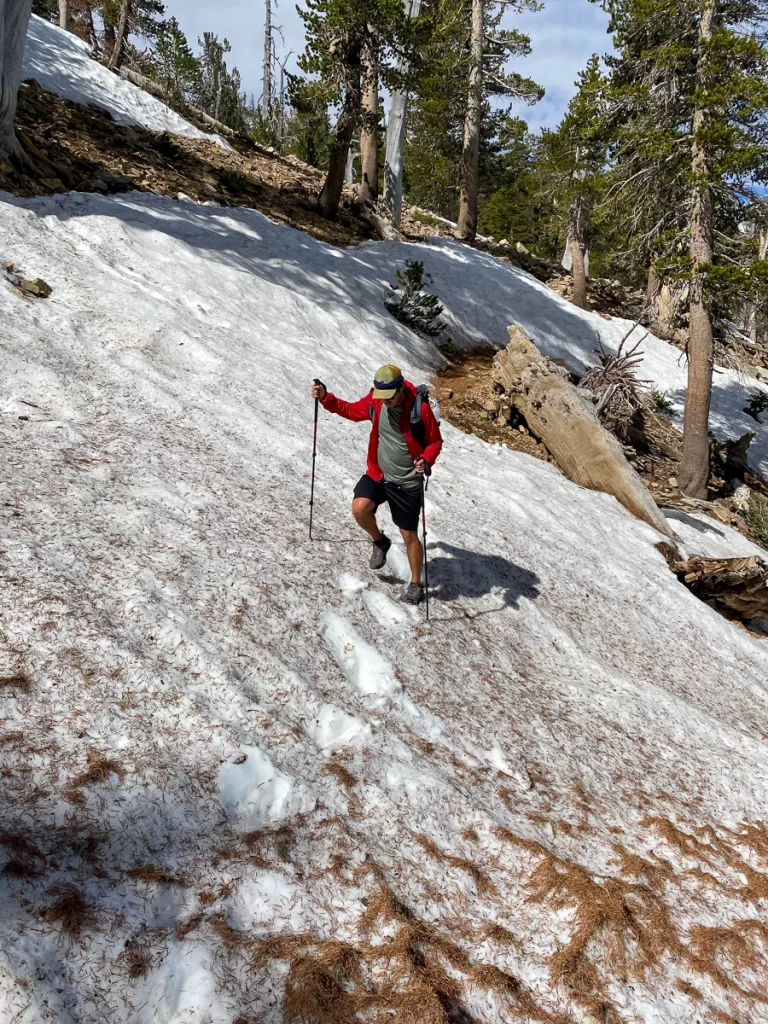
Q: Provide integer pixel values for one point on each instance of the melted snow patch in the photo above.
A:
(368, 673)
(256, 795)
(332, 728)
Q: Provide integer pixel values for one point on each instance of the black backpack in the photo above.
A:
(417, 424)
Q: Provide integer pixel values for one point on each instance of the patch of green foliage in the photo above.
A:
(413, 306)
(757, 516)
(757, 404)
(661, 403)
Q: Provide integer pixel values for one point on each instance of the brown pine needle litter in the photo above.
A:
(69, 908)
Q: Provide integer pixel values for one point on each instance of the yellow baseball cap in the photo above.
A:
(386, 382)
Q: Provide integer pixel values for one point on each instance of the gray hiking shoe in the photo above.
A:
(379, 553)
(414, 594)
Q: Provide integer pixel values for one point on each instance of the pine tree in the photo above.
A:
(436, 130)
(516, 209)
(346, 40)
(689, 95)
(573, 168)
(173, 63)
(125, 18)
(308, 133)
(490, 47)
(217, 90)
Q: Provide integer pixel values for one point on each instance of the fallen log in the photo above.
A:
(386, 231)
(559, 417)
(738, 585)
(157, 90)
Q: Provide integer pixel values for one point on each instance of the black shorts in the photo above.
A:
(404, 504)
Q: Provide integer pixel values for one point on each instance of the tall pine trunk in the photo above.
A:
(349, 118)
(369, 137)
(118, 51)
(466, 229)
(694, 468)
(14, 19)
(64, 14)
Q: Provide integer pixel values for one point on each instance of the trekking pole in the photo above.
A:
(314, 460)
(424, 486)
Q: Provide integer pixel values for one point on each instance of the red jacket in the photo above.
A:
(369, 408)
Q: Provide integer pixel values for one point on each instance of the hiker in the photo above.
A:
(403, 447)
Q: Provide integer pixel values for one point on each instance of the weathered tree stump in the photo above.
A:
(739, 585)
(557, 414)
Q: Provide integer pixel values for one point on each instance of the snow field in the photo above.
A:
(289, 755)
(61, 62)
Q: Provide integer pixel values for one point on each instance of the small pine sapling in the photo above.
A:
(757, 404)
(413, 306)
(660, 403)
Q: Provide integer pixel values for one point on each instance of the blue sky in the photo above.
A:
(564, 35)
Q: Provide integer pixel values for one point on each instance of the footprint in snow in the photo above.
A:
(350, 584)
(368, 673)
(384, 610)
(331, 728)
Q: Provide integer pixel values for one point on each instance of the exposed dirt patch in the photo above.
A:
(464, 389)
(79, 148)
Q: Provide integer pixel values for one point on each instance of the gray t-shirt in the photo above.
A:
(395, 460)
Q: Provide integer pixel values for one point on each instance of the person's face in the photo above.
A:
(394, 402)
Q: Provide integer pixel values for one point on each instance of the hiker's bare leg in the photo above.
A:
(364, 511)
(415, 553)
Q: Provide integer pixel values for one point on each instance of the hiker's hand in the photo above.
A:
(319, 391)
(421, 466)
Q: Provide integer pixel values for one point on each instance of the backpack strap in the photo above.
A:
(417, 423)
(371, 412)
(422, 395)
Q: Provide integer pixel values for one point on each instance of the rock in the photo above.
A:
(120, 182)
(8, 267)
(98, 185)
(492, 407)
(673, 481)
(36, 287)
(504, 242)
(210, 191)
(740, 498)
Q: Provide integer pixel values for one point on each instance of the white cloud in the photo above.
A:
(563, 36)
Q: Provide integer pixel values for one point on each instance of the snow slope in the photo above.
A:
(483, 295)
(62, 63)
(545, 804)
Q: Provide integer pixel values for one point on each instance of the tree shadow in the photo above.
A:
(696, 524)
(460, 573)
